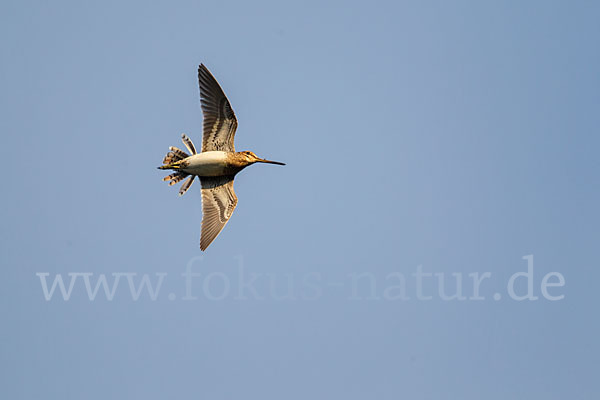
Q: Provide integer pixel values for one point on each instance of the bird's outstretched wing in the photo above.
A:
(219, 119)
(218, 202)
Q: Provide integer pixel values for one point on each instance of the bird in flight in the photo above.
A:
(218, 162)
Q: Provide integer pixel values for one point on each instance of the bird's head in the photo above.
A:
(252, 158)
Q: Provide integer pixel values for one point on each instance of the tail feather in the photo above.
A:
(179, 153)
(186, 185)
(172, 157)
(172, 161)
(175, 177)
(188, 143)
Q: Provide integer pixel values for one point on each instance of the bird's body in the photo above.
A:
(217, 164)
(209, 163)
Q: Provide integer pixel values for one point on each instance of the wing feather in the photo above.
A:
(219, 119)
(218, 202)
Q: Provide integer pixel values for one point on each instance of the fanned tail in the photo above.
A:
(172, 161)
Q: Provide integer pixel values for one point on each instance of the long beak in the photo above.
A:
(262, 160)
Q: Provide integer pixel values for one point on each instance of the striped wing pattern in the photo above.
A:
(219, 119)
(218, 202)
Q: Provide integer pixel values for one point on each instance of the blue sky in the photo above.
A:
(455, 136)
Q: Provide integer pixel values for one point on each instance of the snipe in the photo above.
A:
(217, 164)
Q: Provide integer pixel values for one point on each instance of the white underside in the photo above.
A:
(209, 163)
